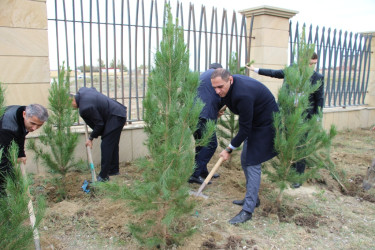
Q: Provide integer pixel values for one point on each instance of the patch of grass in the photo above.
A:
(320, 195)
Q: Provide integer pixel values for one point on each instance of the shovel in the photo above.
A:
(89, 157)
(31, 213)
(207, 180)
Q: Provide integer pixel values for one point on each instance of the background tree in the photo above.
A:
(57, 135)
(84, 68)
(171, 116)
(142, 69)
(298, 138)
(118, 65)
(101, 63)
(124, 68)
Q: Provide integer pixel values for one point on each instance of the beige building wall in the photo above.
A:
(269, 49)
(24, 64)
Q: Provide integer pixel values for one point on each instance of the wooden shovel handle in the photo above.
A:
(31, 212)
(209, 176)
(89, 156)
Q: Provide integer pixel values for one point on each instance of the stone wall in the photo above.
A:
(24, 64)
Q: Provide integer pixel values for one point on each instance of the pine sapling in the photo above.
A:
(298, 138)
(57, 141)
(16, 231)
(171, 116)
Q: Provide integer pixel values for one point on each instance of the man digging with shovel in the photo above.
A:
(254, 104)
(106, 118)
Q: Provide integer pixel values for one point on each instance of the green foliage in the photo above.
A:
(171, 115)
(2, 99)
(118, 65)
(298, 138)
(85, 68)
(56, 133)
(15, 229)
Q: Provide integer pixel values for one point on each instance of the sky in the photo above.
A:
(347, 15)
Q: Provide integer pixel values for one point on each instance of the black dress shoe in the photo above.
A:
(296, 185)
(214, 176)
(241, 217)
(198, 180)
(241, 202)
(99, 178)
(114, 173)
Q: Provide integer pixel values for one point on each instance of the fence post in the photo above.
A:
(269, 42)
(370, 96)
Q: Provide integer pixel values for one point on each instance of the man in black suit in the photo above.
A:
(316, 99)
(106, 118)
(254, 104)
(16, 122)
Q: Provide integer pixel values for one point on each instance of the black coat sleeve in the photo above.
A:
(95, 121)
(272, 73)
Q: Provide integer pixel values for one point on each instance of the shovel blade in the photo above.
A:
(198, 194)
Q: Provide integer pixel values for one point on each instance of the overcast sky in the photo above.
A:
(348, 15)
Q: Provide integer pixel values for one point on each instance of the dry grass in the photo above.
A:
(316, 216)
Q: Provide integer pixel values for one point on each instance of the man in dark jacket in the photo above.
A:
(254, 104)
(15, 124)
(316, 99)
(209, 112)
(106, 118)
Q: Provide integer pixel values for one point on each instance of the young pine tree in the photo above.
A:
(16, 231)
(57, 135)
(171, 116)
(298, 138)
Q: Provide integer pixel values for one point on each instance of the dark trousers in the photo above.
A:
(110, 152)
(300, 166)
(203, 154)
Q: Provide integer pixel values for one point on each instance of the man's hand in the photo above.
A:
(251, 67)
(88, 143)
(221, 112)
(21, 159)
(225, 155)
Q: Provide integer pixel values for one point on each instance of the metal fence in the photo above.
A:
(109, 44)
(344, 61)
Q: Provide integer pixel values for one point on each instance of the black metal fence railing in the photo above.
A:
(344, 60)
(109, 44)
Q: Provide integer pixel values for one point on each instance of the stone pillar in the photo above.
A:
(269, 43)
(370, 96)
(24, 63)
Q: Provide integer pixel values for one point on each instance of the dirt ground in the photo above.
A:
(318, 215)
